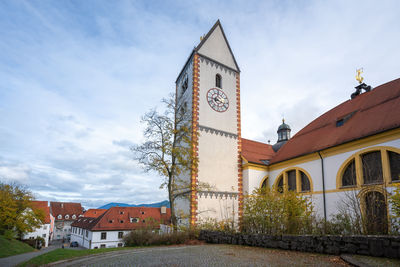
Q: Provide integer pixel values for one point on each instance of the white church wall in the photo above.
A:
(217, 167)
(252, 179)
(182, 209)
(219, 207)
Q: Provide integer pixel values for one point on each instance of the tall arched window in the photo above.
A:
(280, 184)
(375, 165)
(349, 175)
(305, 182)
(294, 180)
(394, 161)
(218, 81)
(372, 167)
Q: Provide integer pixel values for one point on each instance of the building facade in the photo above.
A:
(108, 229)
(64, 213)
(353, 150)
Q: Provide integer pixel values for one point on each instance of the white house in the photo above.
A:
(109, 229)
(45, 229)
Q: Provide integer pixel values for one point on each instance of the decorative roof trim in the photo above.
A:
(215, 131)
(218, 194)
(218, 63)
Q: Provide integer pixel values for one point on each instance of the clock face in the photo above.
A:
(217, 100)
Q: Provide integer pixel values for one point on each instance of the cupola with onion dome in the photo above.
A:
(283, 135)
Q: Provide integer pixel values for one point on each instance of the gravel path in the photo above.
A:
(207, 255)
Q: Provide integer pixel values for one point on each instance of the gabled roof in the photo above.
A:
(367, 114)
(119, 218)
(254, 151)
(94, 213)
(202, 42)
(199, 47)
(42, 205)
(66, 208)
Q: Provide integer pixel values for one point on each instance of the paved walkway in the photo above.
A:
(206, 255)
(17, 259)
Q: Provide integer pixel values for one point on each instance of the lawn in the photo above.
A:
(12, 247)
(63, 254)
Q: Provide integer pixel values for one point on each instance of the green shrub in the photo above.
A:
(267, 211)
(151, 238)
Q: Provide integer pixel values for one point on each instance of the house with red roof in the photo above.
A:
(352, 148)
(64, 213)
(108, 229)
(94, 213)
(46, 228)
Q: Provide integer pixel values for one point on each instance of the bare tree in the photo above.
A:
(167, 148)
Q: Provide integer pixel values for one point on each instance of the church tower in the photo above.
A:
(208, 87)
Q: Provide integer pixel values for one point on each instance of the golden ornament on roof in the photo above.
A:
(358, 76)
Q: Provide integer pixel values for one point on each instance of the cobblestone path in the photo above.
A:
(207, 255)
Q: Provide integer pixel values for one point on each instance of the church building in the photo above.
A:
(352, 148)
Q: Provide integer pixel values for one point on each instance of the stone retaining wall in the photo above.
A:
(378, 246)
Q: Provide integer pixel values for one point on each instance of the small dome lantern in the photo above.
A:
(283, 132)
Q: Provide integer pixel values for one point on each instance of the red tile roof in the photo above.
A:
(66, 208)
(119, 218)
(369, 113)
(94, 213)
(254, 151)
(42, 205)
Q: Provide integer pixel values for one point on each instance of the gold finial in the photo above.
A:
(358, 76)
(283, 120)
(201, 38)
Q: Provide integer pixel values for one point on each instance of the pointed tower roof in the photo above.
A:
(216, 47)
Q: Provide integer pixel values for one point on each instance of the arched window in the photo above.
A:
(294, 180)
(305, 182)
(280, 184)
(291, 176)
(372, 167)
(67, 217)
(264, 183)
(74, 216)
(394, 162)
(59, 217)
(375, 165)
(349, 175)
(218, 81)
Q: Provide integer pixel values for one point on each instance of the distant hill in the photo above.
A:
(154, 205)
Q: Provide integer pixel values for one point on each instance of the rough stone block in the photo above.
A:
(376, 247)
(391, 252)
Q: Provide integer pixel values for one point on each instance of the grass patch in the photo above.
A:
(63, 254)
(13, 247)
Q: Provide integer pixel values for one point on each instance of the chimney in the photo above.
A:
(62, 205)
(163, 209)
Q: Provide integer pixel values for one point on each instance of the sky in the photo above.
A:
(76, 77)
